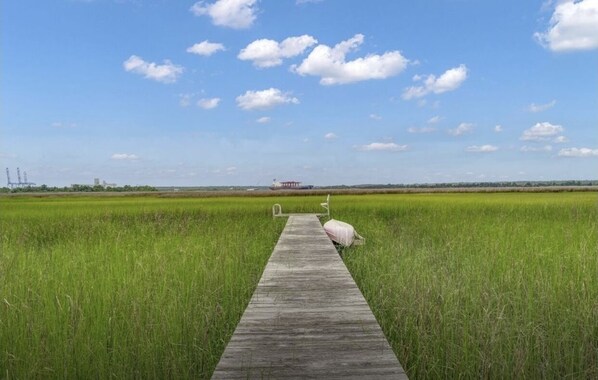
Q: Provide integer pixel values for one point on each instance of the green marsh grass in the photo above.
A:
(121, 288)
(481, 286)
(463, 285)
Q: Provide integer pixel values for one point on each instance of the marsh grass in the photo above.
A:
(463, 285)
(478, 286)
(125, 288)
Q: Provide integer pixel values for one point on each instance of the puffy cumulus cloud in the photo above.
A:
(545, 148)
(166, 73)
(541, 107)
(124, 157)
(236, 14)
(264, 99)
(498, 128)
(205, 48)
(481, 148)
(330, 136)
(263, 120)
(208, 103)
(382, 146)
(434, 119)
(461, 129)
(269, 53)
(450, 80)
(573, 26)
(578, 152)
(541, 132)
(330, 63)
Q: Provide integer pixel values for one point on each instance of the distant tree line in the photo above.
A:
(451, 185)
(469, 185)
(76, 189)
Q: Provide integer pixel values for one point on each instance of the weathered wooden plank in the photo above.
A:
(307, 318)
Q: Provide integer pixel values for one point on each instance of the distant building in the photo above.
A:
(107, 185)
(97, 182)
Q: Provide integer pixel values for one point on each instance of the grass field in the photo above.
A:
(476, 286)
(463, 285)
(121, 288)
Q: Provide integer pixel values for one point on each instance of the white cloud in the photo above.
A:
(578, 152)
(560, 140)
(380, 146)
(263, 120)
(374, 116)
(236, 14)
(434, 119)
(498, 128)
(450, 80)
(421, 130)
(269, 53)
(330, 136)
(415, 92)
(462, 129)
(545, 148)
(166, 73)
(547, 5)
(481, 148)
(541, 132)
(330, 64)
(208, 103)
(264, 99)
(573, 26)
(124, 156)
(541, 107)
(205, 48)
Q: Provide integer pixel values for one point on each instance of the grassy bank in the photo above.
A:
(463, 285)
(119, 288)
(475, 286)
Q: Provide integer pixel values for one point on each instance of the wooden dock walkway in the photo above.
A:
(307, 318)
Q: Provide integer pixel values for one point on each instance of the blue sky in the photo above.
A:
(238, 92)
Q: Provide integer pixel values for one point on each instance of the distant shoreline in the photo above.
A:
(317, 191)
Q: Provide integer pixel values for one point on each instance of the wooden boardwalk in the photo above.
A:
(307, 318)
